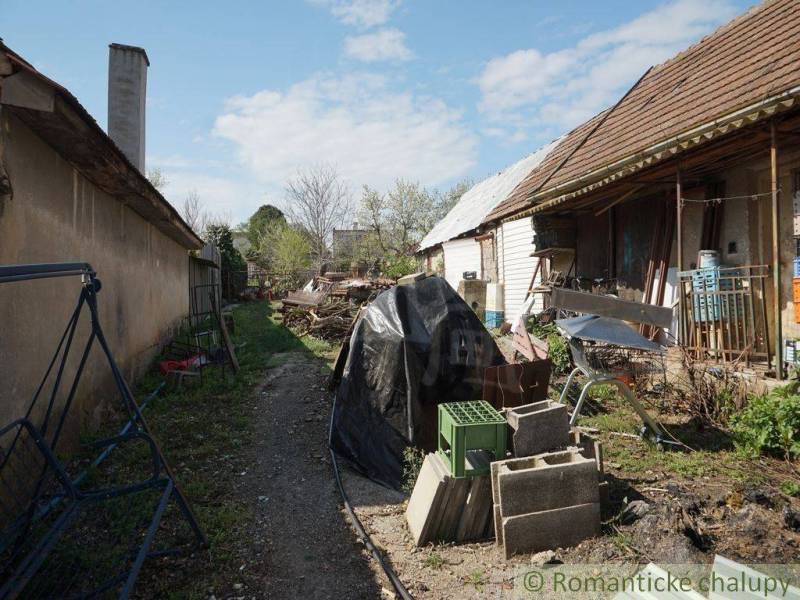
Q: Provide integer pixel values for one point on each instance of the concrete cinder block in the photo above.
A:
(550, 529)
(589, 446)
(539, 427)
(546, 482)
(498, 524)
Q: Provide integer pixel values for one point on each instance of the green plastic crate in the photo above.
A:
(467, 426)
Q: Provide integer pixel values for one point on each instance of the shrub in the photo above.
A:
(770, 423)
(412, 463)
(558, 349)
(713, 394)
(397, 266)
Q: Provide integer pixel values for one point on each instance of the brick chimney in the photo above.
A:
(127, 90)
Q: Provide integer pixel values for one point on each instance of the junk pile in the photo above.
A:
(544, 484)
(328, 321)
(326, 306)
(413, 348)
(546, 496)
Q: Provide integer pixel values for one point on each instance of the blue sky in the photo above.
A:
(242, 94)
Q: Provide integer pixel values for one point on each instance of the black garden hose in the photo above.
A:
(362, 533)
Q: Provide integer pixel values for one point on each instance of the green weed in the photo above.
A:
(434, 561)
(412, 463)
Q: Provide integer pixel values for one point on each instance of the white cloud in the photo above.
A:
(563, 88)
(361, 13)
(232, 198)
(386, 44)
(371, 133)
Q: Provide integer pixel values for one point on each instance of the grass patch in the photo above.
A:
(477, 579)
(434, 561)
(202, 429)
(714, 453)
(790, 488)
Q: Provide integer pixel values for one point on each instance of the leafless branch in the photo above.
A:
(318, 201)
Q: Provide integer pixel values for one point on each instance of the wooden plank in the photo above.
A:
(776, 250)
(226, 338)
(27, 91)
(608, 306)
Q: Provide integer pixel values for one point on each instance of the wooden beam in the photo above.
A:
(609, 306)
(776, 251)
(26, 91)
(679, 241)
(619, 200)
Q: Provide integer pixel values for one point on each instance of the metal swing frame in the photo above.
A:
(20, 563)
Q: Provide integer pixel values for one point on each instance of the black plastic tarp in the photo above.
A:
(414, 347)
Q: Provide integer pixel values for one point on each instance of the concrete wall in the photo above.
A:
(56, 215)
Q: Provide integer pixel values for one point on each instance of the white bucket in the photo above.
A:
(707, 258)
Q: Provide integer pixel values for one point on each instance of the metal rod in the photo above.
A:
(13, 273)
(776, 251)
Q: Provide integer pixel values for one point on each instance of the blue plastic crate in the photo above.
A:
(494, 318)
(712, 307)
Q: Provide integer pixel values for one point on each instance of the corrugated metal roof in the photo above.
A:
(479, 200)
(753, 57)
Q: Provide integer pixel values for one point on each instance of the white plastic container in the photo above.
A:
(494, 296)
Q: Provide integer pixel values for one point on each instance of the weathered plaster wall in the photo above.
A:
(56, 215)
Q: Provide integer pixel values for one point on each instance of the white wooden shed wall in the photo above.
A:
(459, 256)
(516, 265)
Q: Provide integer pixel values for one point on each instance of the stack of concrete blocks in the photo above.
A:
(590, 447)
(544, 502)
(538, 427)
(448, 509)
(548, 496)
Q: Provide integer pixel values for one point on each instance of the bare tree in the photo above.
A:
(193, 213)
(318, 201)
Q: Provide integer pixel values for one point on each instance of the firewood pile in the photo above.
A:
(326, 306)
(329, 321)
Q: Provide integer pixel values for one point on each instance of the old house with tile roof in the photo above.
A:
(718, 128)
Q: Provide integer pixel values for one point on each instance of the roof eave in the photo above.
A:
(658, 152)
(76, 136)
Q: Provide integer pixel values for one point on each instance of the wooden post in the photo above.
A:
(776, 252)
(681, 334)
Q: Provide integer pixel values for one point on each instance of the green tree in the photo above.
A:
(233, 266)
(261, 220)
(288, 248)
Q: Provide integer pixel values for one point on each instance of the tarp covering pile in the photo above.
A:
(414, 347)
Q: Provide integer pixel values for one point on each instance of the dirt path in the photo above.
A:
(301, 543)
